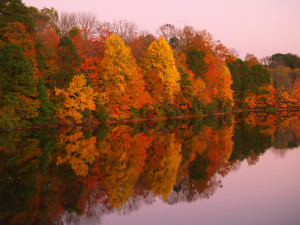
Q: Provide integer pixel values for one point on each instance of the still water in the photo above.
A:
(233, 169)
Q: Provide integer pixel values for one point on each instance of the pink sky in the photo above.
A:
(260, 27)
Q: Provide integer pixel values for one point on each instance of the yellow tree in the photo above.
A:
(75, 99)
(120, 83)
(159, 58)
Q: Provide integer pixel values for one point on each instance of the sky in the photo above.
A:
(259, 27)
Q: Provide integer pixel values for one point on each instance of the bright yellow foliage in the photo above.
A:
(120, 82)
(76, 98)
(223, 84)
(159, 57)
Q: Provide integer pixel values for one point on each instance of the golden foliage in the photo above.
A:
(76, 98)
(120, 82)
(159, 57)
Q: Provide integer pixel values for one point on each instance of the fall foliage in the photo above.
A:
(120, 83)
(159, 58)
(71, 68)
(75, 99)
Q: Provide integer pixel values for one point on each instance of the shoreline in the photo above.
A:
(137, 120)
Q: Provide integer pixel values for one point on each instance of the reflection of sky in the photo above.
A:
(265, 193)
(261, 27)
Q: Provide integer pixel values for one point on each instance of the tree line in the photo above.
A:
(71, 68)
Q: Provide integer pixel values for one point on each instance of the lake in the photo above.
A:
(229, 169)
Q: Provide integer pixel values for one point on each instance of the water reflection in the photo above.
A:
(74, 174)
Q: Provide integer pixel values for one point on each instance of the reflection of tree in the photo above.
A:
(127, 166)
(219, 147)
(162, 164)
(249, 138)
(19, 177)
(79, 151)
(211, 147)
(285, 134)
(197, 168)
(121, 160)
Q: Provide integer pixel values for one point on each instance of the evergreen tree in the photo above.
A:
(46, 109)
(17, 84)
(196, 63)
(69, 62)
(15, 11)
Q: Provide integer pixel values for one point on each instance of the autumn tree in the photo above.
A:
(16, 33)
(159, 58)
(90, 51)
(224, 53)
(140, 44)
(121, 85)
(46, 43)
(223, 85)
(75, 99)
(251, 60)
(297, 92)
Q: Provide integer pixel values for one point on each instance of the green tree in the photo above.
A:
(196, 63)
(288, 60)
(69, 62)
(16, 11)
(262, 75)
(17, 84)
(46, 109)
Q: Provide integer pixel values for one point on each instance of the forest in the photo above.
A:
(66, 68)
